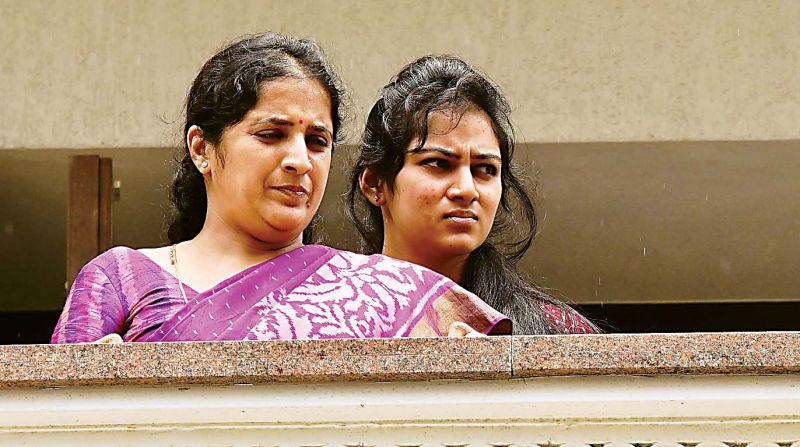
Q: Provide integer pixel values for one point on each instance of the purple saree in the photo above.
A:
(312, 292)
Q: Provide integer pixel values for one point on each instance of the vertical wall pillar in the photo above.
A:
(88, 211)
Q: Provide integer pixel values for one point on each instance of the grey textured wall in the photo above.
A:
(98, 73)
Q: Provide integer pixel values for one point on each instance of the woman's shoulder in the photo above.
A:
(157, 255)
(111, 257)
(122, 258)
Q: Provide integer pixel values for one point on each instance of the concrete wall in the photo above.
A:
(93, 73)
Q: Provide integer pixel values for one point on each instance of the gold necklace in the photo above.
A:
(173, 258)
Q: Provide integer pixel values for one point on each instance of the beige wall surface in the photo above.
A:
(104, 74)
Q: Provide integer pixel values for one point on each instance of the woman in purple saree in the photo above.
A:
(311, 292)
(261, 121)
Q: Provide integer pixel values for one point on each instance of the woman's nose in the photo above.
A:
(463, 188)
(296, 159)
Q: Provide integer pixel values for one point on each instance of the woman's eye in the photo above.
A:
(318, 141)
(489, 170)
(271, 135)
(435, 163)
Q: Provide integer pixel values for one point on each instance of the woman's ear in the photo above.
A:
(198, 149)
(372, 187)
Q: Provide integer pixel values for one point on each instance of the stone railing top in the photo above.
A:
(398, 359)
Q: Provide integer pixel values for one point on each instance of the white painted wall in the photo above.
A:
(566, 410)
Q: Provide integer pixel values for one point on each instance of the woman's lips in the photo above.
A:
(462, 216)
(293, 190)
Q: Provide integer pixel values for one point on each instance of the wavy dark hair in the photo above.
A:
(223, 92)
(448, 84)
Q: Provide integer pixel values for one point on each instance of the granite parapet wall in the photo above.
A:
(227, 363)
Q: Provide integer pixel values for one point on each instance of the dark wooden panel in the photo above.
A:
(82, 212)
(105, 200)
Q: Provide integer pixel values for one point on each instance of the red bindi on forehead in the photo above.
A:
(301, 121)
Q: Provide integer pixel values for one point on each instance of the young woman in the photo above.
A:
(262, 118)
(435, 184)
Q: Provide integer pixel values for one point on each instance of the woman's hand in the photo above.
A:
(109, 339)
(461, 329)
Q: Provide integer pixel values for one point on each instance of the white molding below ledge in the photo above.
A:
(733, 411)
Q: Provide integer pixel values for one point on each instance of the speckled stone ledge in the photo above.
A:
(255, 362)
(398, 360)
(650, 354)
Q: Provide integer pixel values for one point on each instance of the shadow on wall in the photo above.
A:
(625, 223)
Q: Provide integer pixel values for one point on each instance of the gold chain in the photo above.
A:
(173, 258)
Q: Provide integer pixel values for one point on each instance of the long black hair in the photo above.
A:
(446, 83)
(222, 93)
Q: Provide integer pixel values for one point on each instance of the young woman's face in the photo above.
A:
(446, 194)
(275, 162)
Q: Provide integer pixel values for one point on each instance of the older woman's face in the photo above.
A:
(275, 162)
(446, 195)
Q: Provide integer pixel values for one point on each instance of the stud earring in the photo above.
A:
(204, 164)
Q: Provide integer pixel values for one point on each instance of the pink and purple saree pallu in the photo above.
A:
(312, 292)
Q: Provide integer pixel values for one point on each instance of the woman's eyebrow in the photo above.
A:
(285, 121)
(488, 156)
(452, 154)
(275, 119)
(321, 128)
(440, 150)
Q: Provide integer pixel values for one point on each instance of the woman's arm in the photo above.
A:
(93, 308)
